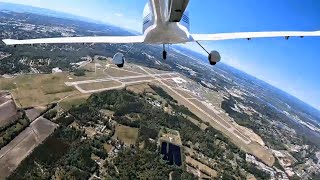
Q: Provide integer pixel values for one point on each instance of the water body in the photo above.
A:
(171, 153)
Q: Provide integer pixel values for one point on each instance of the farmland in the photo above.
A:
(20, 147)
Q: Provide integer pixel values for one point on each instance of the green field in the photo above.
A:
(40, 89)
(75, 100)
(7, 84)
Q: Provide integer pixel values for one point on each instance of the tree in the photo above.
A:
(79, 72)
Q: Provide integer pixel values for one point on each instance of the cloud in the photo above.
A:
(118, 14)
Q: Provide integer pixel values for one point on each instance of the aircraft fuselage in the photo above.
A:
(157, 27)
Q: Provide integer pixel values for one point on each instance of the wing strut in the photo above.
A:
(202, 47)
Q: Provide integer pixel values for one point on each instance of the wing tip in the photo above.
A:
(8, 41)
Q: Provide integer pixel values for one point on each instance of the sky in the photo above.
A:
(292, 65)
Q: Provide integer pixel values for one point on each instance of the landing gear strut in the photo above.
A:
(164, 53)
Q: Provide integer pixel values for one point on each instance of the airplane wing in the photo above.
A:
(87, 39)
(176, 9)
(249, 35)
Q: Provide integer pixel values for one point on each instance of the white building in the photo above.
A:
(56, 70)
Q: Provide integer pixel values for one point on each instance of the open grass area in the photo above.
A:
(99, 85)
(107, 147)
(116, 72)
(7, 84)
(75, 100)
(41, 89)
(126, 134)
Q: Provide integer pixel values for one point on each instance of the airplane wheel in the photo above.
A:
(120, 65)
(164, 55)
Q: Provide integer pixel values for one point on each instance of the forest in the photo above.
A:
(67, 155)
(9, 132)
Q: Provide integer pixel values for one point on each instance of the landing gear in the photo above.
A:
(164, 53)
(120, 65)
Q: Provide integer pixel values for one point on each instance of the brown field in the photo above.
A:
(8, 113)
(21, 146)
(140, 88)
(7, 84)
(107, 147)
(35, 112)
(252, 148)
(116, 72)
(202, 167)
(18, 149)
(99, 85)
(74, 100)
(126, 134)
(43, 128)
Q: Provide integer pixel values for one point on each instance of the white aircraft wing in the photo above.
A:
(87, 39)
(249, 35)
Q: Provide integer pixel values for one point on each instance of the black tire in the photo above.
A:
(164, 55)
(120, 65)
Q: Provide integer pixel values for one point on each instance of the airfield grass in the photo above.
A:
(126, 134)
(92, 72)
(7, 84)
(99, 85)
(40, 89)
(116, 72)
(74, 100)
